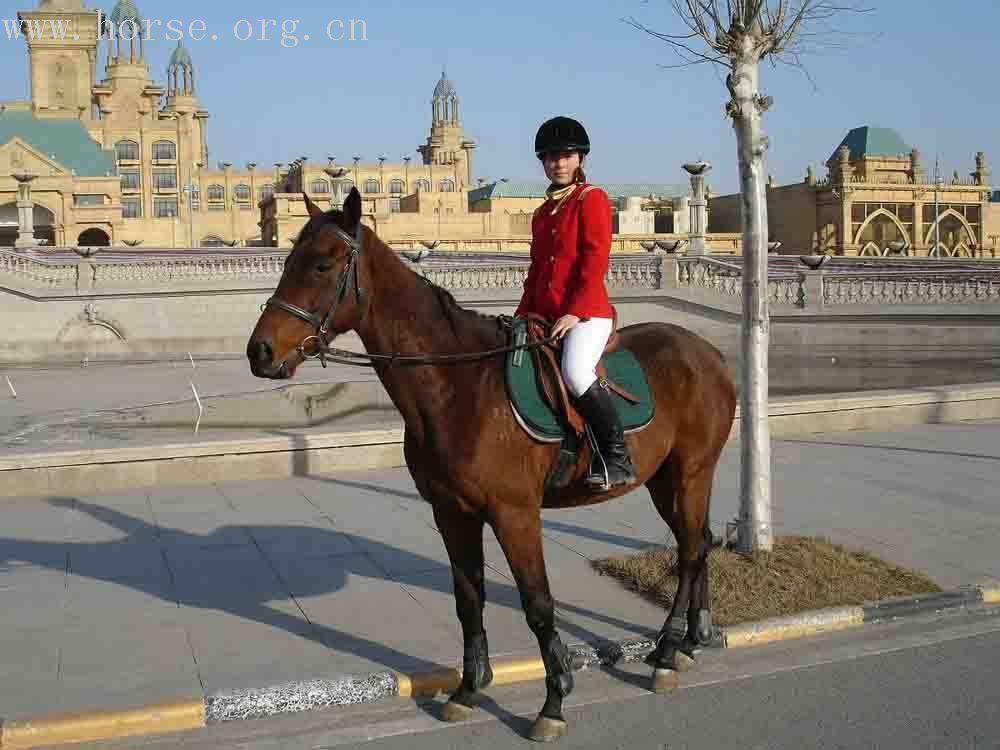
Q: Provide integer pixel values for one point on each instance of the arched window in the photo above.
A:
(397, 186)
(423, 184)
(212, 241)
(372, 186)
(953, 232)
(164, 151)
(881, 230)
(242, 193)
(264, 192)
(319, 186)
(446, 186)
(216, 193)
(126, 150)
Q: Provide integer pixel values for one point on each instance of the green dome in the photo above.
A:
(123, 11)
(444, 87)
(181, 57)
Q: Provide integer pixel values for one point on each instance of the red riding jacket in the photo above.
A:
(570, 253)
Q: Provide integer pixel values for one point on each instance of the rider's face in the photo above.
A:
(560, 166)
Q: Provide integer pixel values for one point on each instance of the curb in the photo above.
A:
(260, 703)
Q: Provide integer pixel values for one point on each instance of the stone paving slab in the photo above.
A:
(132, 597)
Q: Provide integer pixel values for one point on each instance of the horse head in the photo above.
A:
(320, 293)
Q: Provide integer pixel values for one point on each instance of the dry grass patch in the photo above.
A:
(799, 574)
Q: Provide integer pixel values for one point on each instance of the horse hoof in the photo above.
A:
(665, 681)
(547, 730)
(682, 662)
(454, 712)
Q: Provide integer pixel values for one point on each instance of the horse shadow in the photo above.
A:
(191, 576)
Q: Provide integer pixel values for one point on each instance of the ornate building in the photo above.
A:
(104, 154)
(118, 158)
(402, 199)
(123, 159)
(878, 199)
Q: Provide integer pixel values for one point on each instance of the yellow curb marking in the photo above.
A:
(102, 725)
(798, 626)
(505, 672)
(991, 594)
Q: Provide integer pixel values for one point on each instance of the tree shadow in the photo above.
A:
(201, 583)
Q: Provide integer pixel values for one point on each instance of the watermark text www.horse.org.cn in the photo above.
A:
(286, 31)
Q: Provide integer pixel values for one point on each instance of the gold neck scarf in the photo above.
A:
(559, 195)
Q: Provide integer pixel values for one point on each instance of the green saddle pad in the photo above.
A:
(529, 403)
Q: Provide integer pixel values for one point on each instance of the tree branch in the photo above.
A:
(782, 30)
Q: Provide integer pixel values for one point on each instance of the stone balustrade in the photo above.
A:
(725, 278)
(34, 274)
(160, 271)
(910, 288)
(59, 272)
(851, 283)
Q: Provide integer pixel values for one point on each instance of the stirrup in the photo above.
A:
(594, 479)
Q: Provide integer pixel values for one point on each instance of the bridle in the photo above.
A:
(321, 325)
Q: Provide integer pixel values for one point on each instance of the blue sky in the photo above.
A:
(931, 74)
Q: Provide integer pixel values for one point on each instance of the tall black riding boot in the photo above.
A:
(612, 464)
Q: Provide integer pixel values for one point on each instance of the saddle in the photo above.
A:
(548, 369)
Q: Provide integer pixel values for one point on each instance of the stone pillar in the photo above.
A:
(699, 208)
(25, 211)
(682, 215)
(812, 286)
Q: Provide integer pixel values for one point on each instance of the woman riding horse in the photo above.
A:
(570, 252)
(443, 368)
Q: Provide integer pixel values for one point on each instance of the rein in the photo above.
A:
(323, 352)
(347, 357)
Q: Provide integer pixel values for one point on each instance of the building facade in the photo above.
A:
(878, 199)
(117, 158)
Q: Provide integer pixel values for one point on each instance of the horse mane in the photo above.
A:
(451, 310)
(454, 313)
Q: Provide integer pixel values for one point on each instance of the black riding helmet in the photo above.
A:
(561, 134)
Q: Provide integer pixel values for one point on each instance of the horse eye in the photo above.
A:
(324, 267)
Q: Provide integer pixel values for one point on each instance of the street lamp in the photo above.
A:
(189, 190)
(938, 183)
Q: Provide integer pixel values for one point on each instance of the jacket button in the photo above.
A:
(553, 231)
(552, 258)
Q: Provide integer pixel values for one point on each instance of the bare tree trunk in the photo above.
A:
(755, 530)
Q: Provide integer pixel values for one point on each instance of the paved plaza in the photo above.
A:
(125, 599)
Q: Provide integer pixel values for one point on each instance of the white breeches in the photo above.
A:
(583, 346)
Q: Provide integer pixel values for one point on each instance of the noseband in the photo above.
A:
(322, 324)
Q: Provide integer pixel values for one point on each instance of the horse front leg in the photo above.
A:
(463, 538)
(519, 531)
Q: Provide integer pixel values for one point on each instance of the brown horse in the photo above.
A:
(472, 461)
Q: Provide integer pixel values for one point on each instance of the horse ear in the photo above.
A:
(352, 209)
(312, 208)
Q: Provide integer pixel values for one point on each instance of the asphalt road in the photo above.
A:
(920, 684)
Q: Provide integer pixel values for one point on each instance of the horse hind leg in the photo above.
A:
(682, 501)
(701, 632)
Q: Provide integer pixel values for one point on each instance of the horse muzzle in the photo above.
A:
(261, 358)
